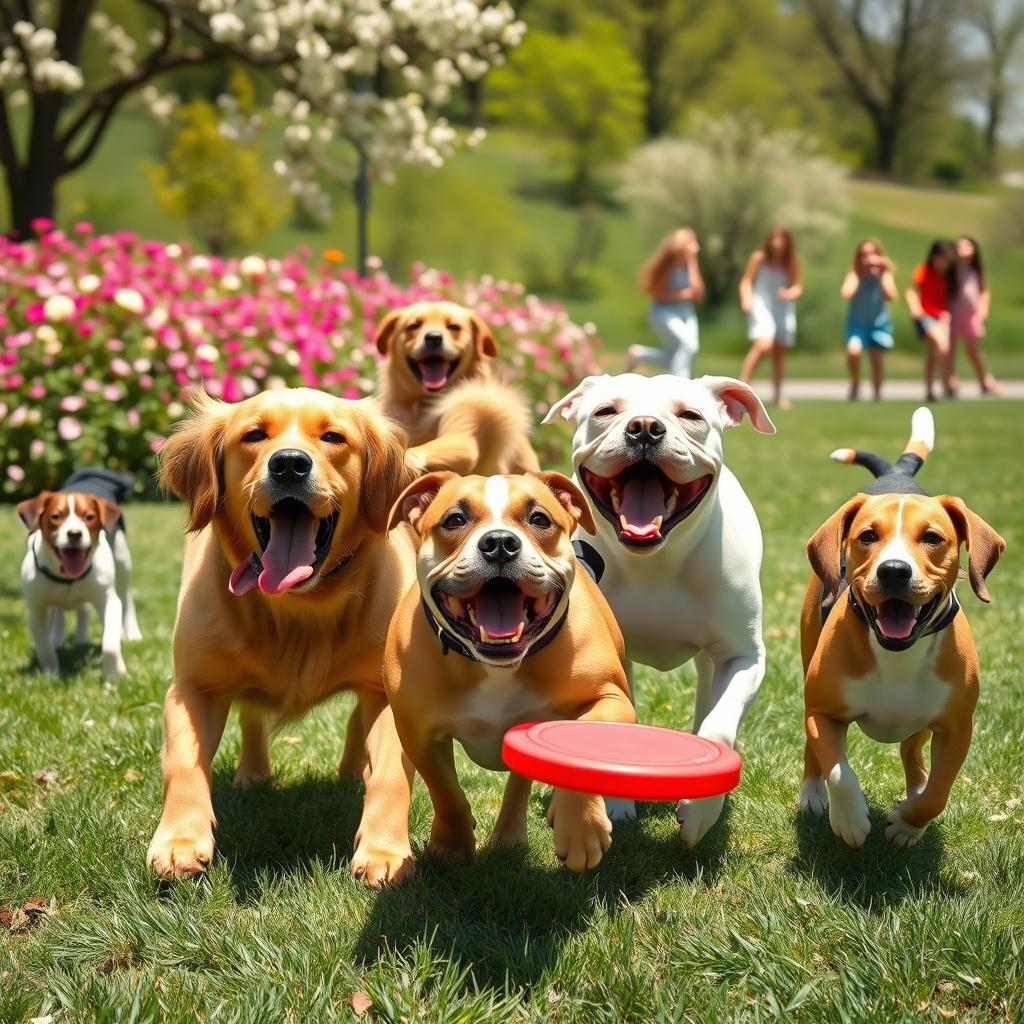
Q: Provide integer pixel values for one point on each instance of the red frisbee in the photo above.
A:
(644, 762)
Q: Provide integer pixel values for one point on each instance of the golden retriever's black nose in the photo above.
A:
(499, 546)
(289, 465)
(433, 339)
(645, 430)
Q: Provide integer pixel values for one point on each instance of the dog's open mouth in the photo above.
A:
(73, 561)
(900, 621)
(500, 620)
(642, 503)
(293, 545)
(433, 372)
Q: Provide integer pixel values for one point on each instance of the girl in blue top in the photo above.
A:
(672, 279)
(868, 287)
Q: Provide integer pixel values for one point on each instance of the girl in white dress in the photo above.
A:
(770, 286)
(672, 279)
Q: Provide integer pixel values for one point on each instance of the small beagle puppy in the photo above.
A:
(885, 643)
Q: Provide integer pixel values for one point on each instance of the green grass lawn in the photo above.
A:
(770, 917)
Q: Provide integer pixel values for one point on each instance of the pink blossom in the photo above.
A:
(36, 447)
(68, 428)
(16, 473)
(72, 403)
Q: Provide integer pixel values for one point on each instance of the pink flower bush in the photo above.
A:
(102, 337)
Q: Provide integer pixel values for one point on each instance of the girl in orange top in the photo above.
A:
(928, 301)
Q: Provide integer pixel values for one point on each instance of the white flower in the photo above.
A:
(129, 300)
(172, 251)
(227, 27)
(231, 282)
(253, 266)
(208, 353)
(45, 333)
(88, 283)
(59, 308)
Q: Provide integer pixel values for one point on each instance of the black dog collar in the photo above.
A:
(43, 571)
(452, 642)
(588, 557)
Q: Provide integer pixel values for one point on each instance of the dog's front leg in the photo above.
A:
(726, 687)
(909, 819)
(40, 624)
(382, 851)
(847, 808)
(193, 725)
(111, 613)
(82, 626)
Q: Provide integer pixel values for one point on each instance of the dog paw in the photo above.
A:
(899, 831)
(177, 856)
(247, 776)
(377, 865)
(132, 633)
(813, 796)
(582, 829)
(848, 814)
(453, 841)
(112, 665)
(695, 817)
(619, 809)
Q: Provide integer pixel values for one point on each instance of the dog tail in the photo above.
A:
(499, 416)
(921, 442)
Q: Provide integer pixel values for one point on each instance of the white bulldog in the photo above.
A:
(679, 538)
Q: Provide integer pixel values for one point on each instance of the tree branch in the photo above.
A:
(8, 153)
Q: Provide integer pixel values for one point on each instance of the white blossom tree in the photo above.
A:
(369, 73)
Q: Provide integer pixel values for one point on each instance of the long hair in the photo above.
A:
(943, 247)
(667, 252)
(976, 263)
(870, 240)
(788, 251)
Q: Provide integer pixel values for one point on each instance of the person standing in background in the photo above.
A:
(927, 298)
(770, 286)
(968, 311)
(868, 287)
(672, 279)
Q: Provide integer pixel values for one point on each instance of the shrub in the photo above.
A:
(103, 336)
(730, 179)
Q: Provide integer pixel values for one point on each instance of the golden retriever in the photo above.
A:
(287, 592)
(437, 381)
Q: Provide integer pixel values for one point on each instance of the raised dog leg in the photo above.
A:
(909, 819)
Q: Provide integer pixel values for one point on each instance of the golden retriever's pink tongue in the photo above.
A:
(243, 578)
(434, 373)
(500, 611)
(289, 557)
(896, 619)
(643, 501)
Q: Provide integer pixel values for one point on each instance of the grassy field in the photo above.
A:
(771, 917)
(498, 210)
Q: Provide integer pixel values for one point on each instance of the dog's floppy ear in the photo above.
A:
(386, 331)
(485, 343)
(571, 497)
(385, 472)
(738, 398)
(569, 406)
(108, 512)
(31, 510)
(825, 548)
(192, 461)
(984, 545)
(418, 497)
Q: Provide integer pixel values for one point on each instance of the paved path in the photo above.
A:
(906, 390)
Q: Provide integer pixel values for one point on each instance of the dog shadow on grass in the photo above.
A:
(877, 876)
(506, 916)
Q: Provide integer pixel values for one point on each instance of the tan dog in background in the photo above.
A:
(895, 652)
(437, 382)
(286, 596)
(503, 628)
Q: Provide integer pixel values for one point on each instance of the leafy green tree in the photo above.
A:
(216, 184)
(583, 91)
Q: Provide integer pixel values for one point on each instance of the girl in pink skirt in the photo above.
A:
(968, 308)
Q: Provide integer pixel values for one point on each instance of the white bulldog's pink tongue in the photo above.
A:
(643, 500)
(72, 562)
(896, 619)
(500, 611)
(434, 373)
(289, 557)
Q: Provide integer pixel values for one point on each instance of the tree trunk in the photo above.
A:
(32, 194)
(886, 138)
